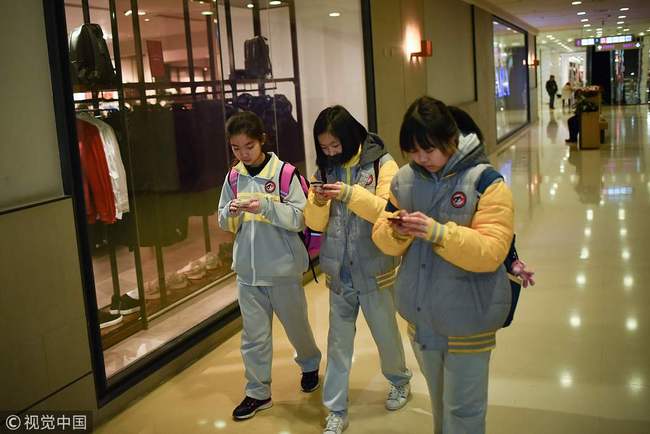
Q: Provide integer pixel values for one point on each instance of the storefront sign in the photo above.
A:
(586, 42)
(156, 61)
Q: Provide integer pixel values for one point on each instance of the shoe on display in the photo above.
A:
(129, 305)
(176, 281)
(309, 381)
(249, 406)
(194, 270)
(151, 291)
(211, 261)
(107, 319)
(115, 305)
(335, 424)
(398, 396)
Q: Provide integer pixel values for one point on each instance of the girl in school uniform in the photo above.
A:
(452, 287)
(269, 259)
(349, 191)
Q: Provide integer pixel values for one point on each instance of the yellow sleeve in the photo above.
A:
(316, 216)
(483, 246)
(389, 241)
(369, 206)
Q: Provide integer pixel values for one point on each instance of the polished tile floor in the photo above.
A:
(576, 359)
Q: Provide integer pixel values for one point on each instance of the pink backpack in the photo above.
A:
(311, 239)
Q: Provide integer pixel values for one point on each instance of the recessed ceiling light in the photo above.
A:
(335, 14)
(620, 17)
(582, 13)
(586, 25)
(584, 20)
(207, 13)
(275, 2)
(569, 40)
(576, 3)
(147, 19)
(620, 22)
(599, 28)
(128, 13)
(250, 6)
(626, 30)
(624, 9)
(641, 34)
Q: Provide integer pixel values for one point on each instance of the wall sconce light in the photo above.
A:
(426, 49)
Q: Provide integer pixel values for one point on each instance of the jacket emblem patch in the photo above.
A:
(458, 199)
(269, 187)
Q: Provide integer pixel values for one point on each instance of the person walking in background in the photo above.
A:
(551, 89)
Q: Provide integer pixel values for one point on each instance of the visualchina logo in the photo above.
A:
(269, 187)
(458, 200)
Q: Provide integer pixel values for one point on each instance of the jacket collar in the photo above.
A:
(268, 172)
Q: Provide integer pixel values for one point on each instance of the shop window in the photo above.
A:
(511, 78)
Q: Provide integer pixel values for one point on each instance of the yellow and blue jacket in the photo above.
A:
(452, 288)
(347, 223)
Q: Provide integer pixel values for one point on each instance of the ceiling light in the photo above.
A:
(128, 13)
(586, 25)
(335, 14)
(207, 13)
(250, 6)
(584, 20)
(619, 27)
(582, 13)
(576, 3)
(147, 19)
(620, 17)
(569, 40)
(624, 9)
(599, 29)
(641, 34)
(626, 30)
(620, 22)
(275, 2)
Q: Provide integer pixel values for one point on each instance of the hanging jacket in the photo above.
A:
(347, 223)
(116, 171)
(267, 250)
(98, 192)
(453, 288)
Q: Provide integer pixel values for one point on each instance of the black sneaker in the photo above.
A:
(309, 381)
(249, 406)
(128, 305)
(107, 319)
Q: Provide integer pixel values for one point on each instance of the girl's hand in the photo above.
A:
(332, 191)
(319, 194)
(418, 224)
(233, 209)
(398, 226)
(253, 207)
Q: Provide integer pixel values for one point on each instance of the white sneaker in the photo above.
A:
(335, 424)
(211, 261)
(195, 270)
(397, 396)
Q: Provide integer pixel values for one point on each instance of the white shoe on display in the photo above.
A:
(335, 424)
(211, 261)
(194, 270)
(176, 281)
(398, 396)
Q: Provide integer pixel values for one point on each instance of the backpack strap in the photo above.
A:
(486, 179)
(233, 177)
(287, 172)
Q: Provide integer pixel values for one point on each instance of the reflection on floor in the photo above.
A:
(576, 359)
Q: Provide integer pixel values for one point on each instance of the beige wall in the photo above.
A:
(398, 81)
(42, 317)
(45, 360)
(29, 155)
(448, 75)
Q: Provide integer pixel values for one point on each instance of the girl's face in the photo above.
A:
(431, 159)
(246, 149)
(330, 145)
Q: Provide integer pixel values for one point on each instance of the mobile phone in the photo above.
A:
(395, 219)
(317, 184)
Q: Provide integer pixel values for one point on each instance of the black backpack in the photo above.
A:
(90, 60)
(257, 60)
